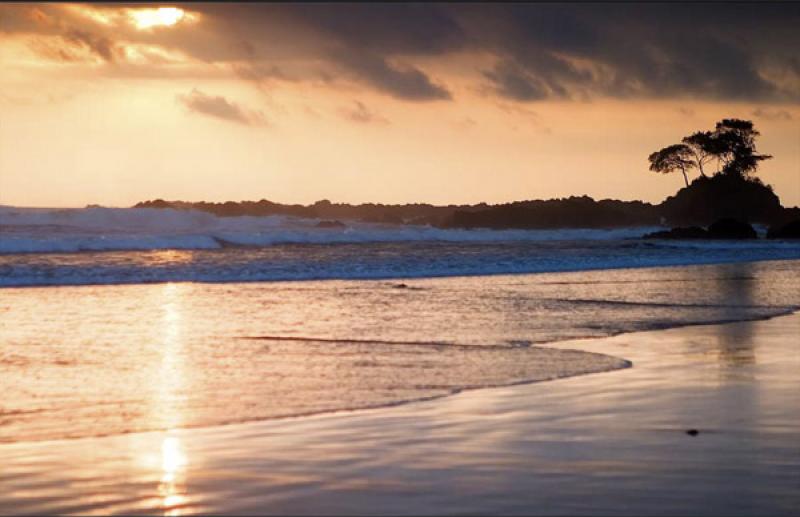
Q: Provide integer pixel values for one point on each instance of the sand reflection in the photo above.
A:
(735, 344)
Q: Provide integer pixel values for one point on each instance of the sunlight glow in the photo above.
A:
(170, 377)
(104, 17)
(171, 488)
(144, 54)
(172, 458)
(161, 16)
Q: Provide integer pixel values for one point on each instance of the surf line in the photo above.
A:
(668, 305)
(437, 344)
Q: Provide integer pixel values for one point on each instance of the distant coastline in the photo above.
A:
(704, 201)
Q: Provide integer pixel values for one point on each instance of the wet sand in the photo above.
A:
(607, 443)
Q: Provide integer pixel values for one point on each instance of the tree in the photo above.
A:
(736, 146)
(732, 144)
(678, 157)
(705, 146)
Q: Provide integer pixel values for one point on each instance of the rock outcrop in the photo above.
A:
(723, 229)
(790, 230)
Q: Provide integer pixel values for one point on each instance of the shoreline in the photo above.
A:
(626, 363)
(587, 444)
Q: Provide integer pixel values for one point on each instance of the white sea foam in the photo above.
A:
(46, 247)
(96, 229)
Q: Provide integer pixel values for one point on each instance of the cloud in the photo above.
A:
(260, 74)
(99, 45)
(387, 29)
(739, 51)
(772, 114)
(401, 81)
(511, 81)
(360, 113)
(58, 38)
(221, 108)
(547, 51)
(636, 51)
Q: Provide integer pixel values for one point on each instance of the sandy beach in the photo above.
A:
(599, 444)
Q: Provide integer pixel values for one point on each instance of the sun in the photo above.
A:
(161, 16)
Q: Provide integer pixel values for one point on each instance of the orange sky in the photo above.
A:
(121, 104)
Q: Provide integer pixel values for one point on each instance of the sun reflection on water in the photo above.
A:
(168, 403)
(170, 382)
(172, 489)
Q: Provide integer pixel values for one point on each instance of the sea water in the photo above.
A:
(129, 246)
(123, 320)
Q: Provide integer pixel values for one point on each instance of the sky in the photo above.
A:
(113, 104)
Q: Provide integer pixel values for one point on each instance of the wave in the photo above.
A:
(29, 230)
(52, 247)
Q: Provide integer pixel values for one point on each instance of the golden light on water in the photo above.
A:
(171, 488)
(160, 16)
(169, 395)
(173, 464)
(172, 458)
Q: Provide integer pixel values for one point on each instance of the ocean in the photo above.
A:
(129, 246)
(124, 320)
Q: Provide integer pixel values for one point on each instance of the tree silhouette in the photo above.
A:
(736, 146)
(731, 144)
(676, 157)
(704, 146)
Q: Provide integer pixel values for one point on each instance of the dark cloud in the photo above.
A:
(401, 81)
(360, 113)
(512, 82)
(706, 65)
(221, 108)
(704, 50)
(388, 29)
(634, 50)
(708, 50)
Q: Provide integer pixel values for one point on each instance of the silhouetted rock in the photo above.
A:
(722, 229)
(324, 209)
(331, 224)
(722, 196)
(731, 229)
(687, 232)
(390, 218)
(572, 212)
(156, 203)
(704, 201)
(790, 230)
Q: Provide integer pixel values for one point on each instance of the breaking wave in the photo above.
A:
(143, 245)
(27, 230)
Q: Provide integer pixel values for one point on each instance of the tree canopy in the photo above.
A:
(731, 145)
(677, 157)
